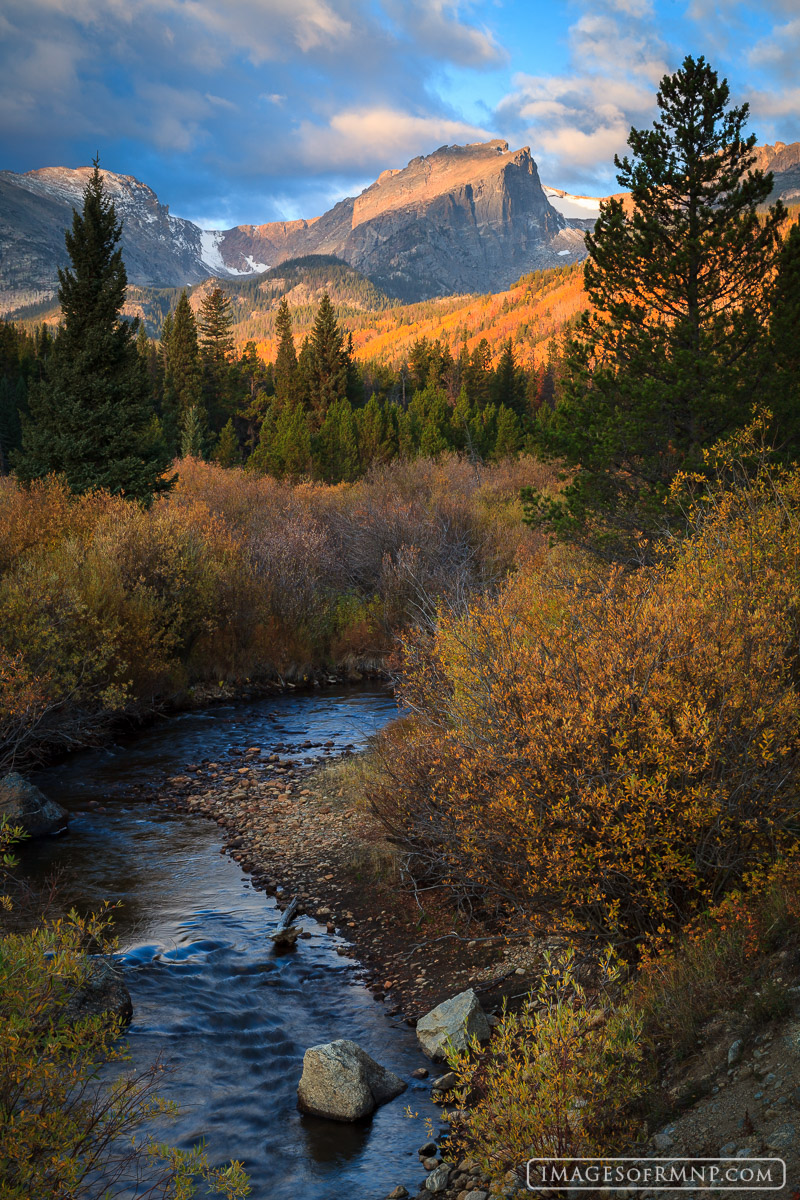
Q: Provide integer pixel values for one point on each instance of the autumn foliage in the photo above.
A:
(108, 608)
(608, 753)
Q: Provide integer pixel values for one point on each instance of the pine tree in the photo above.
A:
(783, 394)
(509, 433)
(287, 387)
(215, 324)
(507, 388)
(89, 418)
(675, 352)
(193, 434)
(329, 366)
(227, 452)
(184, 356)
(336, 455)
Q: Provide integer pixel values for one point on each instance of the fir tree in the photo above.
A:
(329, 365)
(336, 452)
(509, 433)
(287, 387)
(193, 434)
(676, 350)
(184, 356)
(90, 416)
(783, 394)
(215, 324)
(227, 452)
(507, 390)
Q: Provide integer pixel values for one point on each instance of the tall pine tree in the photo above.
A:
(90, 417)
(287, 385)
(676, 349)
(216, 349)
(329, 361)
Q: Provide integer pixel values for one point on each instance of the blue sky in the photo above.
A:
(244, 111)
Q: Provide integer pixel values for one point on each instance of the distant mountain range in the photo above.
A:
(461, 220)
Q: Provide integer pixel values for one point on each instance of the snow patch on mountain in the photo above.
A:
(581, 207)
(211, 256)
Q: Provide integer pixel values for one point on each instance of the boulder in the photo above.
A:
(454, 1021)
(23, 804)
(102, 991)
(340, 1081)
(438, 1179)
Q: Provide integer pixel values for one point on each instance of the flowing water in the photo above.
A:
(209, 994)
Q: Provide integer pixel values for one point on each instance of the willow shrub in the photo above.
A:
(560, 1078)
(609, 755)
(107, 608)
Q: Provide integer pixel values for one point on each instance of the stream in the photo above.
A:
(209, 994)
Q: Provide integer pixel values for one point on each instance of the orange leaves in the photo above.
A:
(612, 753)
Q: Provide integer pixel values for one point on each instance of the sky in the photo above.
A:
(246, 111)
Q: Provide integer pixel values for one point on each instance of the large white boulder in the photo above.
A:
(342, 1082)
(454, 1021)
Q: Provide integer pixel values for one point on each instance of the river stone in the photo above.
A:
(455, 1021)
(340, 1081)
(437, 1180)
(23, 804)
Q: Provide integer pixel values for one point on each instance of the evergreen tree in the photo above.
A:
(509, 433)
(329, 362)
(507, 387)
(89, 418)
(783, 394)
(215, 324)
(676, 350)
(227, 452)
(184, 356)
(287, 387)
(193, 434)
(336, 455)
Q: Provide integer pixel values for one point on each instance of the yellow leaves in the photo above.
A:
(615, 752)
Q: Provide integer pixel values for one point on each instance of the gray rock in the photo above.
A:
(476, 1194)
(340, 1081)
(735, 1052)
(782, 1138)
(103, 991)
(445, 1082)
(437, 1180)
(399, 1193)
(661, 1141)
(728, 1150)
(455, 1021)
(23, 804)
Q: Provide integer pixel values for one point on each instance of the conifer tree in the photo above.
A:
(783, 394)
(329, 364)
(287, 388)
(215, 322)
(227, 452)
(509, 433)
(507, 390)
(336, 451)
(89, 418)
(193, 434)
(184, 356)
(675, 352)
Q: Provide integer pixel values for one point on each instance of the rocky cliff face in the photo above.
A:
(784, 162)
(36, 208)
(463, 219)
(466, 218)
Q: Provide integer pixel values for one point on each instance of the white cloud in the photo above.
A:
(577, 121)
(357, 138)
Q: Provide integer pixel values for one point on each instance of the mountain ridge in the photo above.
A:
(463, 219)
